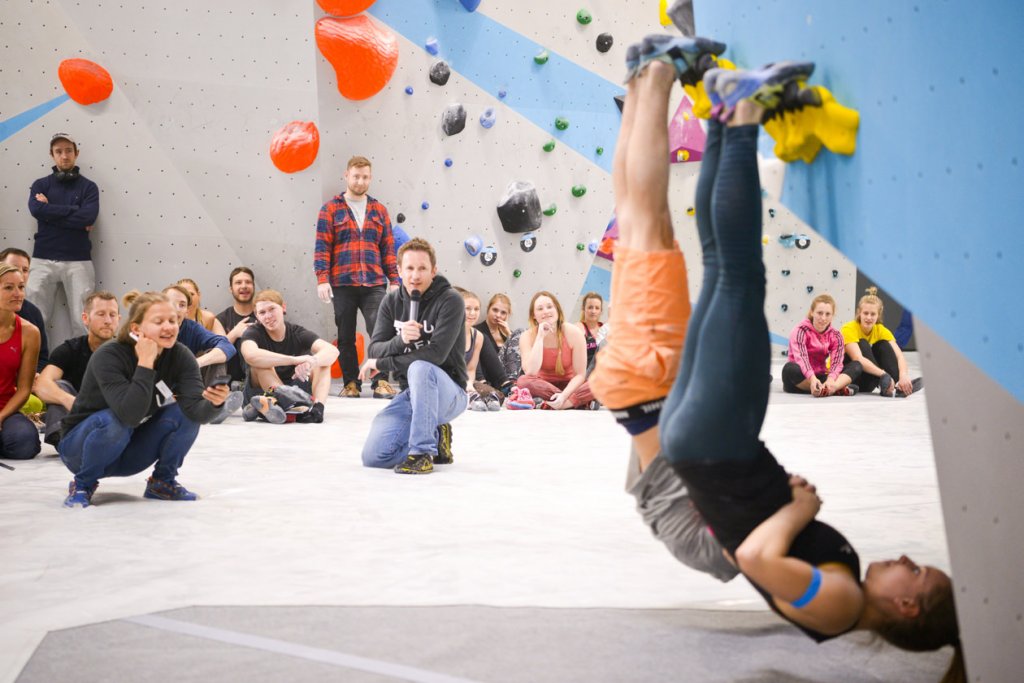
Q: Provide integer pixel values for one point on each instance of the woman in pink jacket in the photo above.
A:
(816, 355)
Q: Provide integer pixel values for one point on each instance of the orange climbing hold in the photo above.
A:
(85, 82)
(344, 8)
(364, 54)
(294, 147)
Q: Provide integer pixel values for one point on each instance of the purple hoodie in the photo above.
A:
(809, 349)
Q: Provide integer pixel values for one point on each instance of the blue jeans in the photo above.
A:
(408, 424)
(19, 438)
(103, 446)
(717, 405)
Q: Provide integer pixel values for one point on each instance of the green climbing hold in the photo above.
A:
(549, 145)
(517, 273)
(541, 57)
(579, 190)
(550, 211)
(600, 151)
(561, 123)
(583, 16)
(580, 246)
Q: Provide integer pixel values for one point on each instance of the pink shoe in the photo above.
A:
(519, 399)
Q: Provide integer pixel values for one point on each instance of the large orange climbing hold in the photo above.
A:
(85, 82)
(295, 146)
(363, 53)
(344, 8)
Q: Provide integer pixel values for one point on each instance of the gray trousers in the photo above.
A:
(664, 503)
(55, 412)
(78, 278)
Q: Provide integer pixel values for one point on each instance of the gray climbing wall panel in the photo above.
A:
(979, 444)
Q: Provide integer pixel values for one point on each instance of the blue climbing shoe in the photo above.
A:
(689, 55)
(158, 489)
(78, 495)
(763, 86)
(632, 62)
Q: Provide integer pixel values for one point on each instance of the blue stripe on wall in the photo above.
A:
(495, 57)
(25, 118)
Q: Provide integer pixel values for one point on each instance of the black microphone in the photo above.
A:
(414, 304)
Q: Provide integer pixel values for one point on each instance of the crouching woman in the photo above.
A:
(141, 403)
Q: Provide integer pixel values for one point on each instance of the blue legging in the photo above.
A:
(717, 405)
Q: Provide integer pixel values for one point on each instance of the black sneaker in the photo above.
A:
(916, 386)
(315, 415)
(444, 445)
(415, 463)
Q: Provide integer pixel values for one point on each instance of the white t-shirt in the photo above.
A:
(358, 210)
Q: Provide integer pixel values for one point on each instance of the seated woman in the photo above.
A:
(141, 404)
(590, 323)
(207, 319)
(711, 418)
(19, 352)
(482, 364)
(871, 344)
(503, 340)
(816, 355)
(554, 357)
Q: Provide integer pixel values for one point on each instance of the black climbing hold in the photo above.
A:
(400, 218)
(528, 242)
(488, 255)
(785, 273)
(835, 273)
(519, 210)
(810, 288)
(454, 119)
(604, 42)
(771, 213)
(785, 307)
(440, 72)
(802, 242)
(620, 102)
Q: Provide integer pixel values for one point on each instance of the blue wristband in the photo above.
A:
(812, 590)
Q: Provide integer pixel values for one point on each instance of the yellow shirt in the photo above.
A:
(852, 333)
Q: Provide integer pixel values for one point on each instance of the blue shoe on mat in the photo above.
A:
(78, 495)
(159, 489)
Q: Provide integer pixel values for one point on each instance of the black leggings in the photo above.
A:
(792, 375)
(881, 354)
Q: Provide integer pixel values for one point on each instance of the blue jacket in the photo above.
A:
(71, 207)
(197, 338)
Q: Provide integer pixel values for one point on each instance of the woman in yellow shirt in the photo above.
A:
(871, 344)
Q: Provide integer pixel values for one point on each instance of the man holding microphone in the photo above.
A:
(419, 337)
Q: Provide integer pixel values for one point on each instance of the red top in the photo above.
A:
(10, 364)
(547, 366)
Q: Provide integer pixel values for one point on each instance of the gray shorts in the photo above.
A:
(664, 504)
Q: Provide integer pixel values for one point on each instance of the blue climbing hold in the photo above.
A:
(488, 117)
(448, 163)
(502, 94)
(425, 205)
(431, 45)
(399, 236)
(592, 247)
(470, 5)
(408, 90)
(473, 244)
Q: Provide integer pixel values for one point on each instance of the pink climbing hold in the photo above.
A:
(85, 82)
(295, 146)
(686, 138)
(344, 8)
(364, 54)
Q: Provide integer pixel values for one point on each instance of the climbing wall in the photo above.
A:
(926, 208)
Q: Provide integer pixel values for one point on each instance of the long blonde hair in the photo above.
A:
(199, 311)
(870, 298)
(559, 366)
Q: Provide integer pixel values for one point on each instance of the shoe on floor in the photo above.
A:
(848, 390)
(268, 409)
(159, 489)
(444, 445)
(885, 385)
(520, 399)
(476, 403)
(492, 402)
(315, 414)
(916, 386)
(351, 390)
(231, 405)
(415, 463)
(289, 397)
(384, 390)
(79, 496)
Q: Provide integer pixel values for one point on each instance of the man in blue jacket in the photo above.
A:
(65, 205)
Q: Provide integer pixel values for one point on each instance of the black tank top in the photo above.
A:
(591, 342)
(473, 334)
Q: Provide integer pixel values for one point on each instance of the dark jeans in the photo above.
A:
(792, 375)
(19, 438)
(882, 355)
(347, 301)
(718, 402)
(103, 446)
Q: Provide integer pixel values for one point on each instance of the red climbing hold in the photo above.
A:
(294, 147)
(344, 8)
(85, 82)
(364, 54)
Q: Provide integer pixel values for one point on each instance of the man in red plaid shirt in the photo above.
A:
(354, 261)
